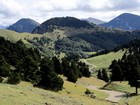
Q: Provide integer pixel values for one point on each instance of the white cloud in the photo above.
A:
(40, 10)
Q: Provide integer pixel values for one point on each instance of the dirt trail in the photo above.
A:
(93, 67)
(114, 96)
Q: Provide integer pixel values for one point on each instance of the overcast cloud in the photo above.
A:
(41, 10)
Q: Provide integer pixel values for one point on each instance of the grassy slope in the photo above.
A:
(25, 94)
(14, 36)
(55, 34)
(103, 61)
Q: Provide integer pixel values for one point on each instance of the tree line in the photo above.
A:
(128, 67)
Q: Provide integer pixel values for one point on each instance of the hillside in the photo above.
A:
(50, 24)
(24, 25)
(124, 21)
(98, 37)
(25, 93)
(15, 36)
(104, 61)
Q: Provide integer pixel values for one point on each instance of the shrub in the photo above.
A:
(88, 91)
(72, 77)
(1, 79)
(14, 78)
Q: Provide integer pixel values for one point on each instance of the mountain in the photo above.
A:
(24, 25)
(124, 21)
(74, 35)
(93, 20)
(2, 27)
(61, 22)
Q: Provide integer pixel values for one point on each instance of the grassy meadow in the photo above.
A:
(103, 61)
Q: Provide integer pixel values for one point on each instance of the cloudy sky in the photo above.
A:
(41, 10)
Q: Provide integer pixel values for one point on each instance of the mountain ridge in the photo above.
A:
(48, 25)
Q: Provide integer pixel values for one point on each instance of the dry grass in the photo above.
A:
(26, 94)
(91, 81)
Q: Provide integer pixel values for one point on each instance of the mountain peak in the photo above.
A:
(24, 25)
(61, 22)
(95, 21)
(125, 21)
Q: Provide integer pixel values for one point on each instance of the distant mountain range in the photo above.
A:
(124, 21)
(72, 35)
(3, 27)
(24, 25)
(93, 36)
(93, 20)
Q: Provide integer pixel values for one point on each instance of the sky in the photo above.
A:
(41, 10)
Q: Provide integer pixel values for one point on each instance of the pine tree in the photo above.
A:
(65, 66)
(99, 75)
(105, 76)
(57, 65)
(14, 78)
(4, 67)
(49, 79)
(72, 76)
(117, 74)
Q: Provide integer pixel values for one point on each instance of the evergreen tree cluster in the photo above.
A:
(13, 60)
(128, 68)
(103, 75)
(17, 62)
(73, 69)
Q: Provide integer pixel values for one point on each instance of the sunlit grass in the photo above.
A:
(103, 61)
(26, 94)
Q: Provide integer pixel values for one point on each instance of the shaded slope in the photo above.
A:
(24, 25)
(125, 21)
(61, 22)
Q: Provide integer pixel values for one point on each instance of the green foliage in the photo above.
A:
(14, 78)
(24, 61)
(50, 25)
(128, 68)
(26, 64)
(79, 45)
(49, 79)
(4, 67)
(57, 65)
(74, 69)
(1, 79)
(72, 76)
(28, 70)
(99, 75)
(88, 91)
(117, 74)
(84, 69)
(103, 75)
